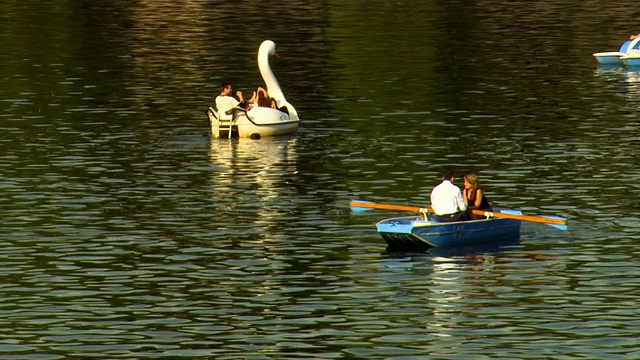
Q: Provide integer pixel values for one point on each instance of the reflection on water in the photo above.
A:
(262, 160)
(632, 76)
(476, 250)
(611, 74)
(253, 171)
(620, 80)
(127, 234)
(468, 251)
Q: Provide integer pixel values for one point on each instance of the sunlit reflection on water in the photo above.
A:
(130, 233)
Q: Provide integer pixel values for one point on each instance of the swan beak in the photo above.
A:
(275, 55)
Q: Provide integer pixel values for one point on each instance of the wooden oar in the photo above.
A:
(359, 205)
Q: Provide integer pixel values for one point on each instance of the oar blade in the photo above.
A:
(557, 226)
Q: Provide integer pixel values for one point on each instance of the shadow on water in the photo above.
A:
(491, 248)
(508, 252)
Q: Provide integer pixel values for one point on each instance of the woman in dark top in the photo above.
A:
(474, 197)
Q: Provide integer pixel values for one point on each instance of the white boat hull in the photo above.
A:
(262, 121)
(255, 123)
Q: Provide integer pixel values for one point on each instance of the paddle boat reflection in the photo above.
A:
(629, 84)
(248, 175)
(622, 80)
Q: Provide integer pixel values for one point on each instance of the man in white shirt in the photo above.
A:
(225, 103)
(446, 200)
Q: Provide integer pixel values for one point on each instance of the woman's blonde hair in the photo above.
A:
(473, 180)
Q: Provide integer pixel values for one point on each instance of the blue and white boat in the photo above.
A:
(414, 233)
(609, 58)
(630, 47)
(631, 60)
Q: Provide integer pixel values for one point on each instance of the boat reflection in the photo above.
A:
(619, 80)
(632, 76)
(470, 251)
(609, 71)
(250, 177)
(455, 282)
(616, 74)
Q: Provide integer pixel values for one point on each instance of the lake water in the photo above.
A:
(129, 233)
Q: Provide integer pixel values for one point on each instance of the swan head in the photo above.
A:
(268, 47)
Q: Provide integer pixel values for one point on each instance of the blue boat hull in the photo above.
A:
(631, 61)
(609, 58)
(415, 234)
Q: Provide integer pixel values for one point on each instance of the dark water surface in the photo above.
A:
(127, 233)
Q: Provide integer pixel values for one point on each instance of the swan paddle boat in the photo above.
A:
(630, 49)
(256, 122)
(417, 234)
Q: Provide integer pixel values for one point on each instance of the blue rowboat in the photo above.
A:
(413, 233)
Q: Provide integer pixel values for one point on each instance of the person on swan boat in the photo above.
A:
(225, 103)
(264, 100)
(446, 200)
(474, 197)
